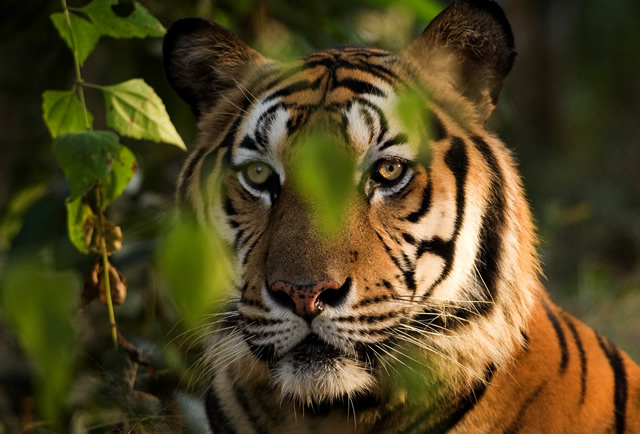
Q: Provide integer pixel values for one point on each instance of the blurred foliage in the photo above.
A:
(320, 171)
(195, 263)
(39, 305)
(569, 109)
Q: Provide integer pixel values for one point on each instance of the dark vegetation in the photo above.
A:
(569, 111)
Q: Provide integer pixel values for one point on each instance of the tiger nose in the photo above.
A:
(308, 301)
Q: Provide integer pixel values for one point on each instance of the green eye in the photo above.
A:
(257, 174)
(389, 170)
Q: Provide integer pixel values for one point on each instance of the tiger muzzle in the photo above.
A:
(308, 301)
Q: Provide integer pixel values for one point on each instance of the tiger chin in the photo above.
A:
(424, 312)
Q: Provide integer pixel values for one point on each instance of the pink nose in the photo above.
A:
(306, 300)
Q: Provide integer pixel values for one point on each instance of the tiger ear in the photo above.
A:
(471, 44)
(203, 59)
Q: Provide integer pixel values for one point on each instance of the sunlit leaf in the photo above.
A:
(63, 113)
(123, 167)
(86, 34)
(86, 158)
(139, 24)
(323, 173)
(81, 223)
(38, 305)
(135, 110)
(194, 261)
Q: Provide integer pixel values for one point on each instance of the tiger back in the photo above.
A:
(424, 312)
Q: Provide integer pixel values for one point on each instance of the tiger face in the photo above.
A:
(424, 296)
(325, 316)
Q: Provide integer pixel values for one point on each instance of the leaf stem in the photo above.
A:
(91, 85)
(76, 63)
(105, 265)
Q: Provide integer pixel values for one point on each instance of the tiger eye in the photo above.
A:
(257, 173)
(390, 170)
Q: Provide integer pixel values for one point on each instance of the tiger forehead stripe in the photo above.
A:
(328, 76)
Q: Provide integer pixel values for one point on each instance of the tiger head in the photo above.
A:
(433, 266)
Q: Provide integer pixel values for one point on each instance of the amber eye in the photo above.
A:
(389, 170)
(257, 173)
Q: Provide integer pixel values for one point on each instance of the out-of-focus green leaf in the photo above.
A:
(123, 168)
(410, 109)
(63, 113)
(135, 110)
(424, 10)
(86, 158)
(39, 305)
(139, 24)
(80, 223)
(11, 221)
(195, 263)
(86, 35)
(323, 173)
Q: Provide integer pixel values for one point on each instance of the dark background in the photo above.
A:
(569, 111)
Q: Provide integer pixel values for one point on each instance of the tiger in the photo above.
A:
(424, 312)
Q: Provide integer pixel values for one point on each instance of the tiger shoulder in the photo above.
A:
(424, 312)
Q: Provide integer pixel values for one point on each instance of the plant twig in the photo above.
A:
(76, 63)
(105, 265)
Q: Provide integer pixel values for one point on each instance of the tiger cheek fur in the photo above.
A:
(424, 312)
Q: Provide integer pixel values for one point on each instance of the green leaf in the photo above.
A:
(122, 170)
(195, 264)
(19, 204)
(410, 109)
(323, 173)
(39, 305)
(80, 223)
(86, 158)
(104, 22)
(139, 24)
(63, 113)
(134, 110)
(86, 34)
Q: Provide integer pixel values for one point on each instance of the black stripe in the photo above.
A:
(297, 86)
(249, 144)
(261, 127)
(250, 249)
(561, 338)
(266, 353)
(384, 123)
(490, 238)
(408, 238)
(217, 419)
(583, 357)
(438, 131)
(398, 139)
(377, 71)
(247, 408)
(359, 87)
(425, 204)
(468, 402)
(187, 172)
(228, 207)
(619, 382)
(458, 162)
(464, 406)
(388, 250)
(526, 340)
(516, 425)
